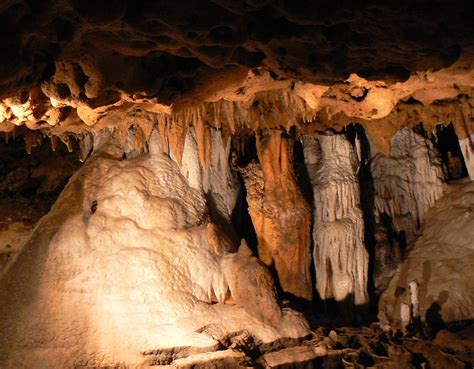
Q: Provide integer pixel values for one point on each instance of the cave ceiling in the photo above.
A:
(74, 66)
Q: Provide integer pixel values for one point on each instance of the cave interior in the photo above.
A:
(235, 184)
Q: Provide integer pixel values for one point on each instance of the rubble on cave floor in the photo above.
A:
(343, 347)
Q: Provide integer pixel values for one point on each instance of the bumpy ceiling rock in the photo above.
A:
(71, 66)
(168, 49)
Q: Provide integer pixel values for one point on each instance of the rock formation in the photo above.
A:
(340, 258)
(280, 215)
(444, 248)
(228, 160)
(127, 263)
(408, 182)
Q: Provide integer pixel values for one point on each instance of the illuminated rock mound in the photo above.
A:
(127, 268)
(440, 265)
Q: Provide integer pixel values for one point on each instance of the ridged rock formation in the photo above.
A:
(125, 271)
(408, 182)
(216, 180)
(340, 258)
(440, 264)
(280, 215)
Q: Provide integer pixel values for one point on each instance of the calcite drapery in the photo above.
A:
(340, 257)
(280, 215)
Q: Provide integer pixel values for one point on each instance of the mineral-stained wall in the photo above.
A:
(280, 215)
(125, 269)
(340, 257)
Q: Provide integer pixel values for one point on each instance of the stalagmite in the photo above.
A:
(467, 149)
(414, 299)
(436, 276)
(408, 182)
(127, 265)
(280, 215)
(340, 257)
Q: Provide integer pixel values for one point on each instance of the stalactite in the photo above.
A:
(54, 142)
(217, 180)
(280, 215)
(408, 182)
(340, 257)
(204, 142)
(467, 149)
(32, 139)
(176, 136)
(86, 144)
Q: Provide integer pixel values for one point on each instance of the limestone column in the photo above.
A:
(340, 257)
(280, 214)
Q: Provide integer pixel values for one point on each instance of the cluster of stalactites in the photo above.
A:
(340, 257)
(408, 182)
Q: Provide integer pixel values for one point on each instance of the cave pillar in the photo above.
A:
(340, 256)
(280, 214)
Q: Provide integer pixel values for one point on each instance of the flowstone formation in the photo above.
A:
(125, 270)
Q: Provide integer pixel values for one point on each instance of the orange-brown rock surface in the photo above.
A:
(280, 215)
(73, 66)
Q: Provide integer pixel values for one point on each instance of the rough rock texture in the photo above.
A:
(405, 186)
(440, 263)
(280, 215)
(181, 46)
(71, 65)
(124, 269)
(340, 258)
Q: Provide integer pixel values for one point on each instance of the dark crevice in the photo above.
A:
(447, 143)
(245, 151)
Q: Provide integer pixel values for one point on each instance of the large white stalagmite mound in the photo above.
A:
(440, 263)
(127, 263)
(340, 257)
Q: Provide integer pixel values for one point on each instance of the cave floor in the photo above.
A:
(344, 347)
